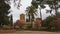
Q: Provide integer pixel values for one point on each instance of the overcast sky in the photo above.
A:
(25, 3)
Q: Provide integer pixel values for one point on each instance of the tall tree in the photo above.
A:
(53, 4)
(16, 3)
(31, 11)
(37, 3)
(4, 19)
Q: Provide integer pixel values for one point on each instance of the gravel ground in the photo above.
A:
(32, 32)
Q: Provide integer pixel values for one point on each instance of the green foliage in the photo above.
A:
(51, 1)
(58, 14)
(6, 27)
(34, 4)
(27, 20)
(4, 19)
(47, 21)
(30, 12)
(38, 2)
(56, 24)
(29, 26)
(53, 4)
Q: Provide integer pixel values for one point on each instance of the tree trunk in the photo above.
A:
(40, 14)
(29, 18)
(56, 11)
(32, 18)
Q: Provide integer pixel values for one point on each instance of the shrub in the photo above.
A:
(56, 24)
(29, 26)
(6, 27)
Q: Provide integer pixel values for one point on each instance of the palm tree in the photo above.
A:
(31, 11)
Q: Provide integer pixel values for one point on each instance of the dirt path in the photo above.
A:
(32, 32)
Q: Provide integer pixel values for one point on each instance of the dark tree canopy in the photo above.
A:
(4, 19)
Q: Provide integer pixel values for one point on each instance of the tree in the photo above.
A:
(53, 4)
(47, 22)
(11, 20)
(58, 15)
(4, 19)
(16, 3)
(49, 11)
(31, 11)
(37, 3)
(56, 24)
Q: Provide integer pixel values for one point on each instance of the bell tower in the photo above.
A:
(22, 17)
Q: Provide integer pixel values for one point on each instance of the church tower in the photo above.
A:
(22, 17)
